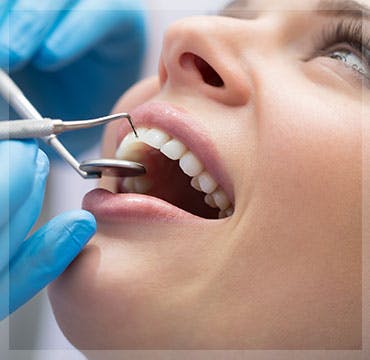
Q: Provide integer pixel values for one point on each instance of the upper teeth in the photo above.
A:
(131, 149)
(173, 149)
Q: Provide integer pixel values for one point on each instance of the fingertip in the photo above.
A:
(81, 216)
(83, 229)
(86, 219)
(89, 216)
(81, 225)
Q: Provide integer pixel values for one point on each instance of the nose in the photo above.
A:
(200, 54)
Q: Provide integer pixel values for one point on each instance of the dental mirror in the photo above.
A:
(112, 167)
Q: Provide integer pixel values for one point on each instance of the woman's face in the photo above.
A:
(272, 103)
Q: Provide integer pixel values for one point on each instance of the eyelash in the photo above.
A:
(346, 32)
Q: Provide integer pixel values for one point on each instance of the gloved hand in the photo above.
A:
(27, 266)
(72, 58)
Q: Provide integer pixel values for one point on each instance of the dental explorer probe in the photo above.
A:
(30, 128)
(88, 169)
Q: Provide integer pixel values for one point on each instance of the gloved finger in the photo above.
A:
(19, 222)
(18, 161)
(89, 22)
(46, 254)
(24, 28)
(23, 220)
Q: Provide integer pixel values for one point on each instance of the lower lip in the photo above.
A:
(110, 207)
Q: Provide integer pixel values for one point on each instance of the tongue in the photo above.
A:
(172, 185)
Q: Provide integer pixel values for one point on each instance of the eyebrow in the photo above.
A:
(347, 8)
(343, 8)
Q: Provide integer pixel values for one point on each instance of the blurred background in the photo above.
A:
(32, 332)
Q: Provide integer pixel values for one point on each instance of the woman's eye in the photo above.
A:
(352, 60)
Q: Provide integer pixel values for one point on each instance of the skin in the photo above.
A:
(284, 272)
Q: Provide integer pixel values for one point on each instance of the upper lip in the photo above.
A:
(178, 123)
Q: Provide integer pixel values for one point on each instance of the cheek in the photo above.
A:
(310, 153)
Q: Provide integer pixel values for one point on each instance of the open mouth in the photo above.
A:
(174, 174)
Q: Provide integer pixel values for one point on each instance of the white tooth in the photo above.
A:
(210, 201)
(173, 149)
(229, 211)
(195, 183)
(155, 138)
(142, 185)
(131, 147)
(133, 152)
(207, 183)
(128, 184)
(128, 139)
(190, 165)
(221, 199)
(140, 132)
(222, 214)
(226, 213)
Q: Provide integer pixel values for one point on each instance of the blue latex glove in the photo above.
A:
(72, 58)
(28, 266)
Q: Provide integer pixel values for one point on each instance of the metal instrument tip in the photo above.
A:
(129, 118)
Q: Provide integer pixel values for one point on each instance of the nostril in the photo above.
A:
(209, 75)
(207, 72)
